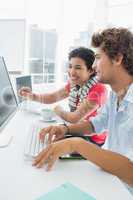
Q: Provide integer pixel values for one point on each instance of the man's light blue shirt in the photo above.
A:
(119, 124)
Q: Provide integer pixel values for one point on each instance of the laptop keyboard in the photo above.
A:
(33, 144)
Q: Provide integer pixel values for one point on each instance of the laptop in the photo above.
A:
(8, 102)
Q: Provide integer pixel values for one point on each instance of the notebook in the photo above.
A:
(66, 191)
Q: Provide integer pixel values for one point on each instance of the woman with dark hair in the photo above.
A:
(84, 93)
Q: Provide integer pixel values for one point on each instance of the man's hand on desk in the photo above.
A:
(54, 133)
(52, 152)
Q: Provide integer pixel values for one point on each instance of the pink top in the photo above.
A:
(97, 93)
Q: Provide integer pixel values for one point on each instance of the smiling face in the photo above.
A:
(78, 71)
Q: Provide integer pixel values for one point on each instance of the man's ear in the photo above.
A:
(118, 59)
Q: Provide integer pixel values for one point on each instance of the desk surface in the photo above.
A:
(20, 181)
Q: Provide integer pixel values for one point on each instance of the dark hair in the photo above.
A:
(85, 54)
(115, 41)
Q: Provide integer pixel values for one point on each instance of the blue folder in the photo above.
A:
(66, 191)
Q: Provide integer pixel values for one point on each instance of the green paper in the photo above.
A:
(66, 191)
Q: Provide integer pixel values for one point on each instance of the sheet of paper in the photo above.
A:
(65, 192)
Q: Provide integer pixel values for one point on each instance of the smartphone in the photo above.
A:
(72, 156)
(75, 155)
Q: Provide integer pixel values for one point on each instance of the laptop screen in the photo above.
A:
(8, 103)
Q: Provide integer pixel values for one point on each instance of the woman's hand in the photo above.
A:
(52, 152)
(26, 92)
(54, 133)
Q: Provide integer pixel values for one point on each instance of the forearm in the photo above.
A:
(79, 113)
(45, 98)
(71, 117)
(109, 161)
(53, 97)
(81, 127)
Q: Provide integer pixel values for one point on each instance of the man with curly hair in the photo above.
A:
(114, 66)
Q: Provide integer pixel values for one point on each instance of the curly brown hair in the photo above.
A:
(115, 41)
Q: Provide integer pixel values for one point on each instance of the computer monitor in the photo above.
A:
(23, 81)
(8, 103)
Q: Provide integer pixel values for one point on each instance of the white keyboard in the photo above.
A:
(33, 144)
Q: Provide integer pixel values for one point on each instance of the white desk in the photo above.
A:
(20, 181)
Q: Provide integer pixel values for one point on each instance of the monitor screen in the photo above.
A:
(8, 103)
(23, 81)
